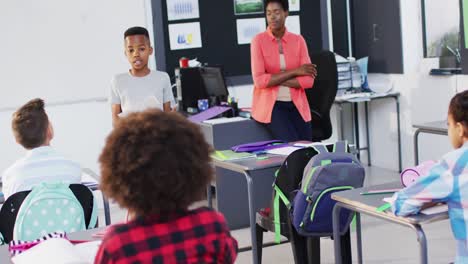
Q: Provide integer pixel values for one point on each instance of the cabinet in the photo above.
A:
(377, 34)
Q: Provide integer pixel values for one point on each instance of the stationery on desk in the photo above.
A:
(380, 191)
(225, 155)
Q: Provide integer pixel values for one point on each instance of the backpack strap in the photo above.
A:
(340, 146)
(276, 214)
(320, 149)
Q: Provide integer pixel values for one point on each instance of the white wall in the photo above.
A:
(63, 51)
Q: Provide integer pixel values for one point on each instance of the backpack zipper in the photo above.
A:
(312, 214)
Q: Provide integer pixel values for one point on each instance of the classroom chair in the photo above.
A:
(288, 178)
(11, 207)
(322, 95)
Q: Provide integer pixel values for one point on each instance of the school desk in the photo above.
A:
(259, 174)
(368, 204)
(437, 127)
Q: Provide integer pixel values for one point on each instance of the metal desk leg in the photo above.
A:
(416, 146)
(358, 237)
(250, 193)
(209, 197)
(397, 101)
(107, 217)
(341, 135)
(422, 243)
(367, 133)
(336, 232)
(356, 128)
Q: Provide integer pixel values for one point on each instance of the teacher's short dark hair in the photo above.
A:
(155, 163)
(284, 4)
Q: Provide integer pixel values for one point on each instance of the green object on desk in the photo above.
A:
(262, 157)
(375, 193)
(383, 207)
(224, 155)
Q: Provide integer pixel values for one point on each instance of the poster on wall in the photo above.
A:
(182, 9)
(293, 24)
(248, 28)
(465, 21)
(245, 7)
(185, 36)
(294, 5)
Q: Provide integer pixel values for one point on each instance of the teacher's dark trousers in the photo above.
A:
(287, 123)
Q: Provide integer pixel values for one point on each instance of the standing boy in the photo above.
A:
(139, 88)
(33, 131)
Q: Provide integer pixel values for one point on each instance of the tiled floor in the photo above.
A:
(382, 242)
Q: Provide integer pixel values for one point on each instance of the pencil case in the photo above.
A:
(410, 175)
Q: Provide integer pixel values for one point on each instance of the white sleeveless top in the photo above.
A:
(284, 94)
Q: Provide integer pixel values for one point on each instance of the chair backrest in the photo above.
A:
(15, 216)
(322, 95)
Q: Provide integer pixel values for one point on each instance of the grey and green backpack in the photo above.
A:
(326, 173)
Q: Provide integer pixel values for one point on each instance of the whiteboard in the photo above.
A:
(63, 50)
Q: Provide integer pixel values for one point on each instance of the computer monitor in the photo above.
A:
(213, 80)
(200, 83)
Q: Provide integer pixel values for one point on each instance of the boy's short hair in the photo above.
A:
(30, 124)
(458, 109)
(137, 31)
(155, 162)
(284, 4)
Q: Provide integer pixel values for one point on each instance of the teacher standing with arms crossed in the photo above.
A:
(281, 70)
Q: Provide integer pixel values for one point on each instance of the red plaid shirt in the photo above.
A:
(197, 236)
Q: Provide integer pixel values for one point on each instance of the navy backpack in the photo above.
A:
(326, 173)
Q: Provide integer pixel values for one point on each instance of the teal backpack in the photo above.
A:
(48, 208)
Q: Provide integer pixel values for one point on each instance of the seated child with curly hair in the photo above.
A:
(156, 164)
(447, 181)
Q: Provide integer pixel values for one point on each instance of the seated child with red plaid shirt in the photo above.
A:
(156, 164)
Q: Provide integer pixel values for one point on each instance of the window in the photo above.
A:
(441, 27)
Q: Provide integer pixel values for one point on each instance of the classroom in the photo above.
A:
(382, 75)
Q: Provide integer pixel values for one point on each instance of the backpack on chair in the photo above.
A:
(51, 207)
(326, 173)
(287, 178)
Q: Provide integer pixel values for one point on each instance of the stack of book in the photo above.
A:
(224, 155)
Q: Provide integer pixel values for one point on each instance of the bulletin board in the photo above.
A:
(212, 35)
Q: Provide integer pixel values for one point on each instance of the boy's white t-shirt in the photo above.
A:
(140, 93)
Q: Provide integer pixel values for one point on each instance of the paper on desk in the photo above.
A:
(223, 120)
(428, 211)
(435, 209)
(284, 151)
(59, 251)
(311, 144)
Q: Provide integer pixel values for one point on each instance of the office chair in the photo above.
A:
(11, 207)
(322, 95)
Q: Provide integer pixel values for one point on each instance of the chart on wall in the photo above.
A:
(294, 5)
(293, 24)
(182, 9)
(248, 28)
(185, 36)
(246, 7)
